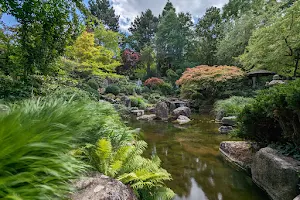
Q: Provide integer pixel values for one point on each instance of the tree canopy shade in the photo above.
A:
(276, 47)
(105, 13)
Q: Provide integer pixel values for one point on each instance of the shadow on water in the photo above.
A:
(191, 155)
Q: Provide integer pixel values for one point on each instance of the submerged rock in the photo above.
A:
(100, 187)
(147, 117)
(225, 129)
(229, 121)
(276, 174)
(183, 120)
(162, 111)
(184, 111)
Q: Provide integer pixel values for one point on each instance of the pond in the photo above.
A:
(191, 155)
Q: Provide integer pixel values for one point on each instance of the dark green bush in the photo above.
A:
(274, 116)
(93, 84)
(165, 88)
(113, 89)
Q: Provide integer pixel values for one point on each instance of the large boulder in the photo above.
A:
(162, 111)
(100, 187)
(147, 117)
(183, 120)
(229, 121)
(185, 111)
(276, 174)
(239, 153)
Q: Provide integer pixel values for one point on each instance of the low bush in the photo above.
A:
(113, 89)
(207, 83)
(153, 82)
(138, 101)
(232, 106)
(165, 88)
(155, 97)
(93, 84)
(274, 115)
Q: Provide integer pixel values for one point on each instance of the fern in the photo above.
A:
(126, 164)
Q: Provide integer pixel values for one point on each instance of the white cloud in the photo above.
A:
(129, 9)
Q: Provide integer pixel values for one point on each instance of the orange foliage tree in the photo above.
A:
(209, 82)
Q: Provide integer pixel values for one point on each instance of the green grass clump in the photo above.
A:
(232, 106)
(35, 140)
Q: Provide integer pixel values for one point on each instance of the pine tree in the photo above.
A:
(105, 13)
(143, 29)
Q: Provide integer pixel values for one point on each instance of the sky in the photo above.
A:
(129, 9)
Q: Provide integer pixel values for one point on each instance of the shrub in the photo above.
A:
(153, 82)
(138, 102)
(93, 84)
(113, 89)
(209, 82)
(274, 116)
(232, 106)
(165, 88)
(154, 98)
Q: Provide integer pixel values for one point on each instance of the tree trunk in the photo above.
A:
(148, 68)
(297, 65)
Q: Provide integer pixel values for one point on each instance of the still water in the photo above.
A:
(191, 155)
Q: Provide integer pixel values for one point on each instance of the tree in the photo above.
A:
(44, 30)
(105, 13)
(168, 7)
(148, 58)
(208, 31)
(108, 39)
(172, 39)
(236, 37)
(92, 58)
(143, 29)
(277, 46)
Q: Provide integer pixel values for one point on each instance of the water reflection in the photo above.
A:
(191, 155)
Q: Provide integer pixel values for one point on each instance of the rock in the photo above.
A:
(225, 129)
(183, 120)
(230, 121)
(150, 109)
(138, 113)
(238, 153)
(172, 106)
(126, 101)
(297, 197)
(276, 174)
(220, 115)
(100, 187)
(276, 77)
(162, 111)
(147, 117)
(185, 111)
(275, 82)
